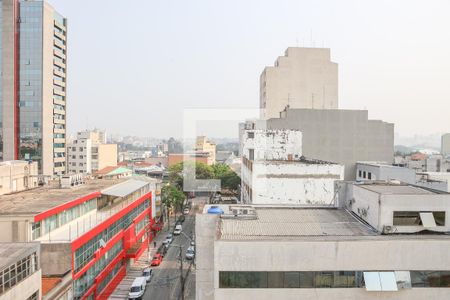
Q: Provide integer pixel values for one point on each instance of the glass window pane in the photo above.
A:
(291, 279)
(275, 279)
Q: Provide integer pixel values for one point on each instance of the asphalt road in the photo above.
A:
(165, 283)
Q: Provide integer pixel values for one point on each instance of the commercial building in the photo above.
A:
(340, 136)
(302, 78)
(275, 172)
(20, 272)
(89, 153)
(279, 252)
(445, 144)
(393, 207)
(17, 175)
(202, 144)
(381, 171)
(33, 84)
(89, 233)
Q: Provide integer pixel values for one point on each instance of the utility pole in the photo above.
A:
(181, 274)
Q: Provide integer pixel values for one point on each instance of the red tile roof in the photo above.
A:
(49, 283)
(106, 170)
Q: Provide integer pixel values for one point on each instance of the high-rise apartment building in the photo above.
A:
(302, 78)
(445, 144)
(33, 84)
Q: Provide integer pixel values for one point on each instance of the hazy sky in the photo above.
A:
(134, 65)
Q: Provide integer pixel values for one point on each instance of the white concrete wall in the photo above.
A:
(378, 210)
(25, 289)
(294, 182)
(312, 255)
(273, 144)
(386, 173)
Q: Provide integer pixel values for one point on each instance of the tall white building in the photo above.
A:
(302, 78)
(89, 153)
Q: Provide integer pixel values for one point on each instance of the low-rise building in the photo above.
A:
(275, 172)
(280, 252)
(397, 207)
(382, 171)
(20, 271)
(91, 232)
(201, 157)
(18, 175)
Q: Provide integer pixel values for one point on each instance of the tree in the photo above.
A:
(176, 172)
(173, 198)
(228, 178)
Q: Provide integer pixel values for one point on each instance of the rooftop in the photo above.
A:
(10, 253)
(386, 188)
(301, 159)
(290, 222)
(35, 201)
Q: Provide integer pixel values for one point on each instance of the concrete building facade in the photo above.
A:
(20, 271)
(17, 175)
(33, 85)
(445, 144)
(88, 153)
(275, 172)
(202, 144)
(313, 253)
(340, 136)
(302, 78)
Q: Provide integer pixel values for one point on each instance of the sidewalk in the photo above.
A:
(135, 270)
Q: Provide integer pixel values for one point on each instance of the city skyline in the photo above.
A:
(195, 59)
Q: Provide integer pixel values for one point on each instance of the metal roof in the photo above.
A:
(125, 188)
(299, 222)
(10, 253)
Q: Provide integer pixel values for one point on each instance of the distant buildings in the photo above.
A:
(302, 78)
(275, 172)
(33, 85)
(385, 241)
(204, 145)
(89, 153)
(18, 175)
(201, 157)
(445, 144)
(20, 271)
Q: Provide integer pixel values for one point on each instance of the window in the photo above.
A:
(251, 154)
(250, 135)
(369, 175)
(364, 174)
(415, 218)
(359, 173)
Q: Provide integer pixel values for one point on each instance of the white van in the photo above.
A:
(137, 288)
(177, 230)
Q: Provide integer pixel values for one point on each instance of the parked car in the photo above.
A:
(169, 239)
(137, 289)
(157, 259)
(192, 243)
(178, 229)
(148, 274)
(163, 249)
(186, 210)
(190, 252)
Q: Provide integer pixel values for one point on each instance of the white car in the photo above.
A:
(192, 243)
(137, 289)
(177, 230)
(186, 211)
(190, 252)
(148, 274)
(169, 239)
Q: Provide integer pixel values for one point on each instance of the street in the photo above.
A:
(166, 283)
